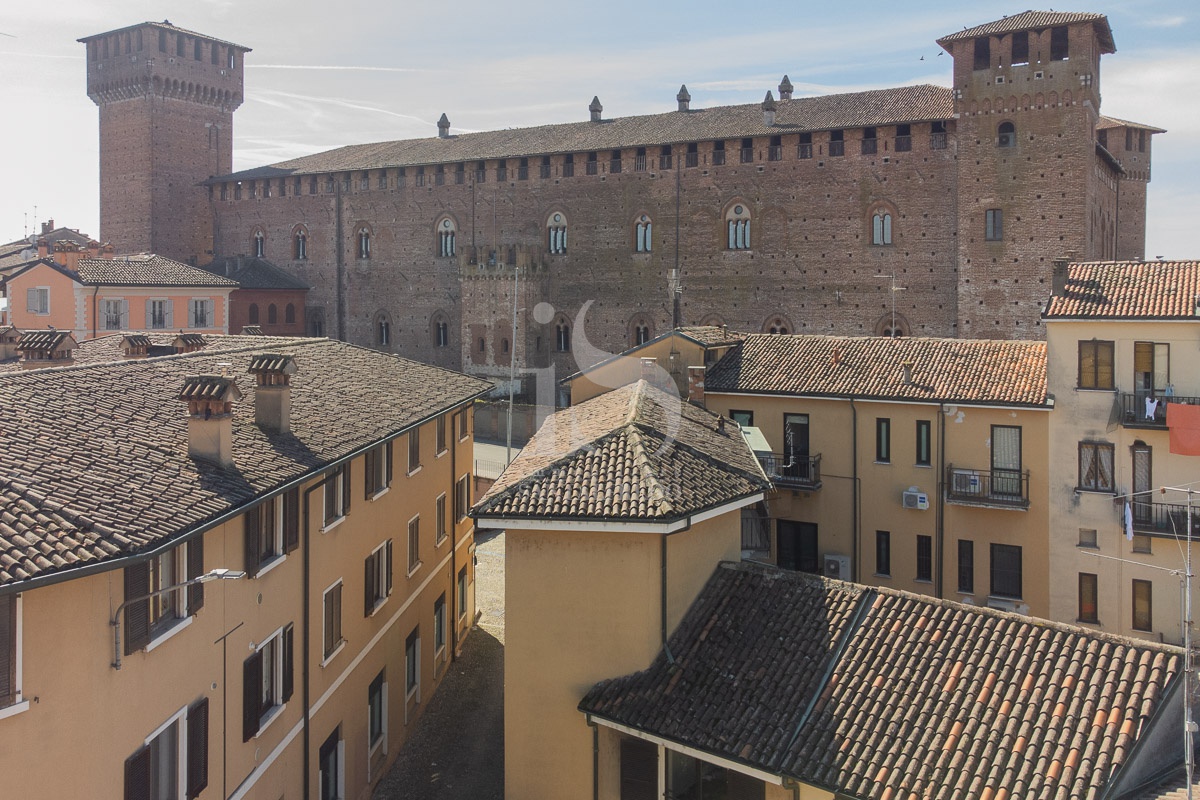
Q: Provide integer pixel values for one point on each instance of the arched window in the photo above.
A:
(641, 334)
(556, 233)
(289, 314)
(504, 345)
(315, 316)
(482, 345)
(737, 222)
(439, 330)
(892, 325)
(363, 237)
(641, 330)
(254, 313)
(642, 234)
(562, 335)
(1007, 135)
(383, 329)
(300, 243)
(272, 314)
(446, 230)
(881, 227)
(778, 325)
(259, 243)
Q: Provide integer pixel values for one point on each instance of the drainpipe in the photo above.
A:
(305, 638)
(855, 572)
(940, 538)
(95, 292)
(793, 785)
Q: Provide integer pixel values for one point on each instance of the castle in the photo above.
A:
(918, 210)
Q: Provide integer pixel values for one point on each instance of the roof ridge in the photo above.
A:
(638, 446)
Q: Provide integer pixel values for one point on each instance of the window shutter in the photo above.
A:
(346, 488)
(137, 615)
(369, 474)
(195, 568)
(170, 315)
(197, 748)
(253, 551)
(252, 676)
(149, 314)
(387, 567)
(639, 770)
(125, 315)
(31, 301)
(137, 775)
(288, 663)
(291, 520)
(8, 649)
(209, 314)
(369, 573)
(387, 453)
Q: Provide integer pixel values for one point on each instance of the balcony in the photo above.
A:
(1164, 519)
(991, 488)
(792, 472)
(1133, 409)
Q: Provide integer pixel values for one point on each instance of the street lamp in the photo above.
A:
(218, 574)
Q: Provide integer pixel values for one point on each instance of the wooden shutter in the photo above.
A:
(195, 568)
(387, 567)
(291, 520)
(149, 314)
(252, 677)
(639, 770)
(125, 315)
(169, 315)
(369, 573)
(346, 488)
(197, 748)
(31, 301)
(253, 551)
(137, 775)
(387, 471)
(8, 649)
(288, 663)
(137, 615)
(369, 474)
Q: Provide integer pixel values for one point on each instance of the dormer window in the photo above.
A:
(1006, 135)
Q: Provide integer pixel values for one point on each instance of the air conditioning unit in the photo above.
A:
(915, 499)
(964, 481)
(837, 567)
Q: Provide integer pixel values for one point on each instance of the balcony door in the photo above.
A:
(1151, 367)
(797, 546)
(1006, 460)
(795, 446)
(1143, 504)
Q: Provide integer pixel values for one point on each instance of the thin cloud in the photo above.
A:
(334, 67)
(1164, 22)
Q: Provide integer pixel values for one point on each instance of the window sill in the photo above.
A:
(341, 645)
(443, 452)
(887, 575)
(265, 720)
(331, 525)
(380, 744)
(1109, 492)
(14, 709)
(1106, 390)
(922, 580)
(266, 566)
(1088, 546)
(168, 634)
(882, 463)
(380, 603)
(380, 493)
(1095, 622)
(412, 472)
(464, 437)
(413, 570)
(923, 466)
(441, 540)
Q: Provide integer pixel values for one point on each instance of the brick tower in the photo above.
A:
(166, 98)
(1032, 184)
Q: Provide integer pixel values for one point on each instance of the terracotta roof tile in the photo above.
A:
(94, 459)
(1034, 20)
(254, 273)
(878, 107)
(1129, 290)
(876, 693)
(633, 453)
(146, 269)
(1113, 122)
(951, 370)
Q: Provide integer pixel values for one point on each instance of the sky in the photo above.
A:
(322, 75)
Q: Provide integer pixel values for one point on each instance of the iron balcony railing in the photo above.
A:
(792, 471)
(775, 153)
(937, 141)
(691, 159)
(804, 150)
(1168, 519)
(1136, 412)
(837, 148)
(987, 487)
(718, 157)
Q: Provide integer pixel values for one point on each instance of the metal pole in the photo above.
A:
(512, 365)
(1188, 725)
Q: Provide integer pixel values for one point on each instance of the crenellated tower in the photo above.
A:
(166, 97)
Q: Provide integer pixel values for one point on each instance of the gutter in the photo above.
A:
(1113, 784)
(108, 565)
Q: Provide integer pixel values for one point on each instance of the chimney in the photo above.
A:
(43, 247)
(785, 89)
(210, 400)
(650, 370)
(188, 342)
(47, 226)
(107, 250)
(135, 345)
(273, 391)
(41, 349)
(1058, 277)
(596, 108)
(696, 385)
(252, 330)
(444, 127)
(768, 107)
(67, 254)
(685, 99)
(837, 357)
(93, 248)
(906, 371)
(9, 337)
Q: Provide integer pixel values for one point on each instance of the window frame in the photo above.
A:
(1089, 590)
(993, 227)
(883, 440)
(412, 664)
(924, 443)
(883, 554)
(274, 529)
(377, 714)
(11, 652)
(461, 587)
(439, 435)
(122, 315)
(998, 576)
(439, 627)
(414, 450)
(279, 646)
(441, 531)
(210, 312)
(413, 540)
(377, 578)
(966, 566)
(1095, 380)
(1097, 449)
(462, 497)
(924, 558)
(1146, 614)
(336, 489)
(332, 637)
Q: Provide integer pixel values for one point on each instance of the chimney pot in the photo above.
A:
(595, 109)
(768, 107)
(210, 400)
(785, 89)
(649, 370)
(696, 385)
(444, 127)
(685, 99)
(906, 370)
(273, 391)
(1058, 277)
(837, 357)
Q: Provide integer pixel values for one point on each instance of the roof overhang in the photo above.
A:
(613, 525)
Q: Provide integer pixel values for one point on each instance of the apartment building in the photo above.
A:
(235, 572)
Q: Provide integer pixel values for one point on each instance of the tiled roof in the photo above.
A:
(254, 273)
(1113, 122)
(105, 445)
(703, 335)
(878, 107)
(1035, 20)
(136, 340)
(1128, 290)
(635, 453)
(951, 370)
(876, 693)
(1171, 788)
(146, 269)
(271, 362)
(44, 340)
(108, 348)
(210, 387)
(252, 330)
(166, 26)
